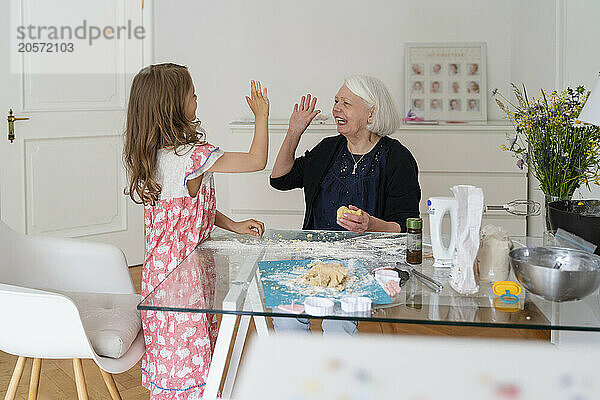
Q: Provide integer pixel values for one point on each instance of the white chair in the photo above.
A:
(38, 322)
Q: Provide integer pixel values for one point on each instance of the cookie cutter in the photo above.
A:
(352, 304)
(292, 308)
(387, 273)
(389, 280)
(391, 272)
(318, 306)
(508, 291)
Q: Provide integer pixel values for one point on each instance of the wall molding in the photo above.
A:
(266, 211)
(115, 207)
(276, 127)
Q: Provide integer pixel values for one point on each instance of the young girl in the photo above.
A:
(170, 168)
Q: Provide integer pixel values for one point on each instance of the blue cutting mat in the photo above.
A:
(282, 283)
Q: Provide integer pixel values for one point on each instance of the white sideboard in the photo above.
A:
(447, 155)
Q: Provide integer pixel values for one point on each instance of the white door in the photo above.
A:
(63, 175)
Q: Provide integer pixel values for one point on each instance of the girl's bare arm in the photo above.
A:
(247, 227)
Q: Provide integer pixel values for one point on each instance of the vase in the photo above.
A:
(547, 200)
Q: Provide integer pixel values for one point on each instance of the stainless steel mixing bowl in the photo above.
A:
(556, 274)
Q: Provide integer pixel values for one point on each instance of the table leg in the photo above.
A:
(219, 358)
(255, 303)
(233, 301)
(236, 355)
(262, 328)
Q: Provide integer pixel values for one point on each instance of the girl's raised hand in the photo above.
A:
(303, 114)
(258, 100)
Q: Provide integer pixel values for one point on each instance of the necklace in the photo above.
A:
(356, 162)
(361, 157)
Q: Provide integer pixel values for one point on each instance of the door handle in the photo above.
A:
(11, 124)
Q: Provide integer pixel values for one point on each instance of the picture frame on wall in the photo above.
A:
(446, 81)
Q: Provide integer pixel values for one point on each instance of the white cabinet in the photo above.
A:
(446, 154)
(467, 154)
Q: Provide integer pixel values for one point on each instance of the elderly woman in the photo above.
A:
(361, 167)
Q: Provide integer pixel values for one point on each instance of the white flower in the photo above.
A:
(189, 332)
(164, 353)
(183, 372)
(182, 352)
(181, 317)
(198, 360)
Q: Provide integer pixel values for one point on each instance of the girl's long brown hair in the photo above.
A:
(155, 119)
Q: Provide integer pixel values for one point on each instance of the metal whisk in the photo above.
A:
(528, 208)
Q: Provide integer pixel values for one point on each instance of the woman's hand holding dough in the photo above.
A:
(357, 223)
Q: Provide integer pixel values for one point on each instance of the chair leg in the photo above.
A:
(80, 379)
(34, 382)
(14, 380)
(111, 385)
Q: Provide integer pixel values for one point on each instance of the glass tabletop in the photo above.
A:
(243, 275)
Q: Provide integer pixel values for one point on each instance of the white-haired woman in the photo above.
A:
(361, 167)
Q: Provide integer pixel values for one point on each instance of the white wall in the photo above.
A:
(582, 53)
(533, 63)
(295, 47)
(532, 44)
(312, 45)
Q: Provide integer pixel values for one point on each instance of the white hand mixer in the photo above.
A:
(437, 207)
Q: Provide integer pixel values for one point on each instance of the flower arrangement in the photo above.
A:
(560, 151)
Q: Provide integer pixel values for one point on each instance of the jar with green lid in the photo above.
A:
(414, 240)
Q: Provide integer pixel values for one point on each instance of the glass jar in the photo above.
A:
(414, 240)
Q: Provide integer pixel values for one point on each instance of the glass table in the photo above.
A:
(231, 261)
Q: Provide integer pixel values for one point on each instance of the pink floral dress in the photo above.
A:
(179, 346)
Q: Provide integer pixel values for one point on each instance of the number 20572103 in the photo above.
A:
(45, 47)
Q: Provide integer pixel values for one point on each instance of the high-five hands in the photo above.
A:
(303, 114)
(258, 100)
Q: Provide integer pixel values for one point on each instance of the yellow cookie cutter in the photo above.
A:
(507, 290)
(506, 307)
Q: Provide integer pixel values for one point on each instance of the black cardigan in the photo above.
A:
(398, 192)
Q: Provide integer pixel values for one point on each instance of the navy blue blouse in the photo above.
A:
(397, 192)
(342, 187)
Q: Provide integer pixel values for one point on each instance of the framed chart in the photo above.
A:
(446, 81)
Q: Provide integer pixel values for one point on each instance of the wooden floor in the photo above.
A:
(57, 378)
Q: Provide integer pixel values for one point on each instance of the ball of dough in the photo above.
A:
(331, 275)
(345, 210)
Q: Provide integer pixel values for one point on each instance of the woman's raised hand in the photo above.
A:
(303, 114)
(258, 100)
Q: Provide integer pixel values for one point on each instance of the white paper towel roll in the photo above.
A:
(470, 210)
